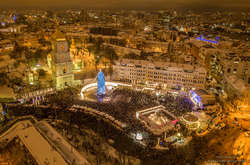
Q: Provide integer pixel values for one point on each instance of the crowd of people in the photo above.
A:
(178, 105)
(124, 111)
(123, 105)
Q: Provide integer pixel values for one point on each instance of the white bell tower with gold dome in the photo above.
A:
(61, 63)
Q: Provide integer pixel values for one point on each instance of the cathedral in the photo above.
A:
(82, 59)
(76, 55)
(60, 63)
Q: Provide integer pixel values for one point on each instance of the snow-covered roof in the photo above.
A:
(6, 92)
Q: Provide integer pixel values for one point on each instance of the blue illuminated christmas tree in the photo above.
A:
(101, 88)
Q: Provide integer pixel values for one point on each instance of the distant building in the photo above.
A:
(208, 55)
(164, 74)
(236, 87)
(13, 29)
(76, 56)
(238, 65)
(60, 62)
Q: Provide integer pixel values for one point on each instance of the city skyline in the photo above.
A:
(138, 86)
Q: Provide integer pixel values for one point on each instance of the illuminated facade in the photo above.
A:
(209, 55)
(161, 73)
(81, 57)
(60, 62)
(190, 121)
(77, 56)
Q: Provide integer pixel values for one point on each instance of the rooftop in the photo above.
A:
(162, 65)
(58, 35)
(157, 119)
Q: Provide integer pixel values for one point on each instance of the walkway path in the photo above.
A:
(66, 149)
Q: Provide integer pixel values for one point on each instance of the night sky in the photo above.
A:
(126, 3)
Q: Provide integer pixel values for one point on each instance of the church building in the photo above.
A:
(60, 62)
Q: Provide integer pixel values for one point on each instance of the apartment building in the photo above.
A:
(164, 74)
(237, 64)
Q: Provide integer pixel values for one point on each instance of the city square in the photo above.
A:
(125, 82)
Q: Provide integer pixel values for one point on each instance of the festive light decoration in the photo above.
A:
(138, 136)
(14, 18)
(101, 88)
(201, 38)
(196, 99)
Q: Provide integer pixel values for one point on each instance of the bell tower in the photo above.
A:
(61, 63)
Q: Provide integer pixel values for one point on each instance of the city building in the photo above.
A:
(76, 56)
(238, 65)
(162, 74)
(60, 62)
(208, 55)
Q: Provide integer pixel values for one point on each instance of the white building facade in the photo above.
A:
(164, 74)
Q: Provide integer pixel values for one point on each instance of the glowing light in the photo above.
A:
(147, 28)
(94, 85)
(174, 121)
(14, 18)
(211, 41)
(109, 87)
(196, 99)
(137, 115)
(138, 136)
(101, 88)
(21, 100)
